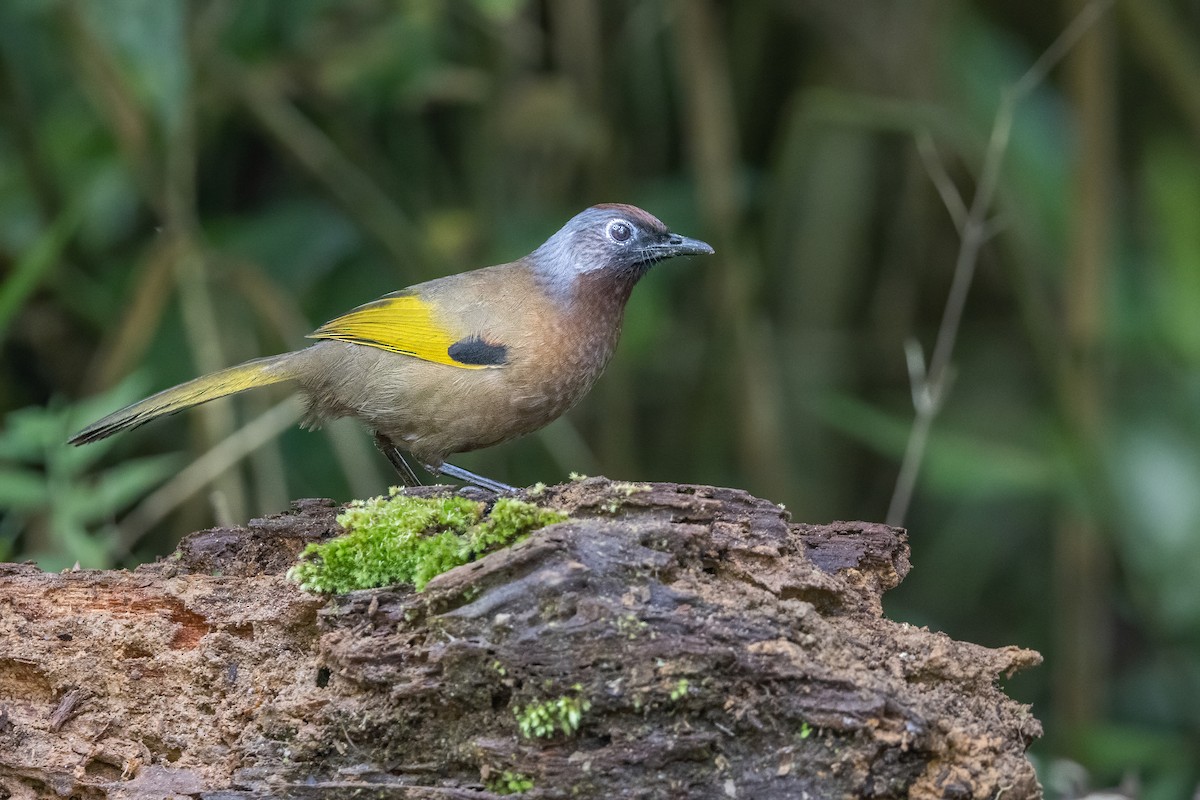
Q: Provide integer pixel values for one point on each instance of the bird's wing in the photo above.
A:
(409, 324)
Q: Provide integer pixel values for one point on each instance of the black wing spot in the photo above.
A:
(477, 351)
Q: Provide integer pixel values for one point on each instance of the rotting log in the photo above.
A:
(709, 647)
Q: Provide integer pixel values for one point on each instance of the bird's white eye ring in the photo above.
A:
(619, 231)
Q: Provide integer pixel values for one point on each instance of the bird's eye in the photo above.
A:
(619, 231)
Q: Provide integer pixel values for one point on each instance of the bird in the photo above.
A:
(462, 362)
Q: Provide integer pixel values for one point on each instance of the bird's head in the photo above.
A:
(610, 240)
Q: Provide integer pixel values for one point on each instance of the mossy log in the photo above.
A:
(665, 641)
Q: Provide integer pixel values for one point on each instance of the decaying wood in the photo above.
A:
(720, 652)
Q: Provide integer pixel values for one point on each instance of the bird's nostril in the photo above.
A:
(676, 240)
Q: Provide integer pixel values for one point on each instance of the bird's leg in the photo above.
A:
(410, 478)
(470, 477)
(393, 455)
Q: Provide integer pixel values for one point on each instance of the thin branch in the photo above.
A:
(940, 178)
(1059, 48)
(975, 231)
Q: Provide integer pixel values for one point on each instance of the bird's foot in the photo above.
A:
(470, 477)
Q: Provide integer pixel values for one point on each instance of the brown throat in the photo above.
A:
(597, 304)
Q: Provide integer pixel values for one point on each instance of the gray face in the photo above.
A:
(618, 239)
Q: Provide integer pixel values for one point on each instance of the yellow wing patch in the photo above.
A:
(399, 324)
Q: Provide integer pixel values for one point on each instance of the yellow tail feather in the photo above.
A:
(259, 372)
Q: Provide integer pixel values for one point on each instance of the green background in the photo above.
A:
(187, 185)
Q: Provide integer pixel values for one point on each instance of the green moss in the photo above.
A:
(680, 690)
(542, 720)
(619, 493)
(510, 519)
(401, 539)
(509, 782)
(629, 626)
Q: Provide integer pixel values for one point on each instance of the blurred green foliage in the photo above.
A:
(61, 504)
(184, 185)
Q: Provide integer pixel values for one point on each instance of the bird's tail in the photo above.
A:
(259, 372)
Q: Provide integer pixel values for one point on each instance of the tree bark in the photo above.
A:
(710, 647)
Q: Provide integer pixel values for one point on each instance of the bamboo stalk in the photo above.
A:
(1081, 570)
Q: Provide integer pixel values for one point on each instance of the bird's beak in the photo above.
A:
(676, 245)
